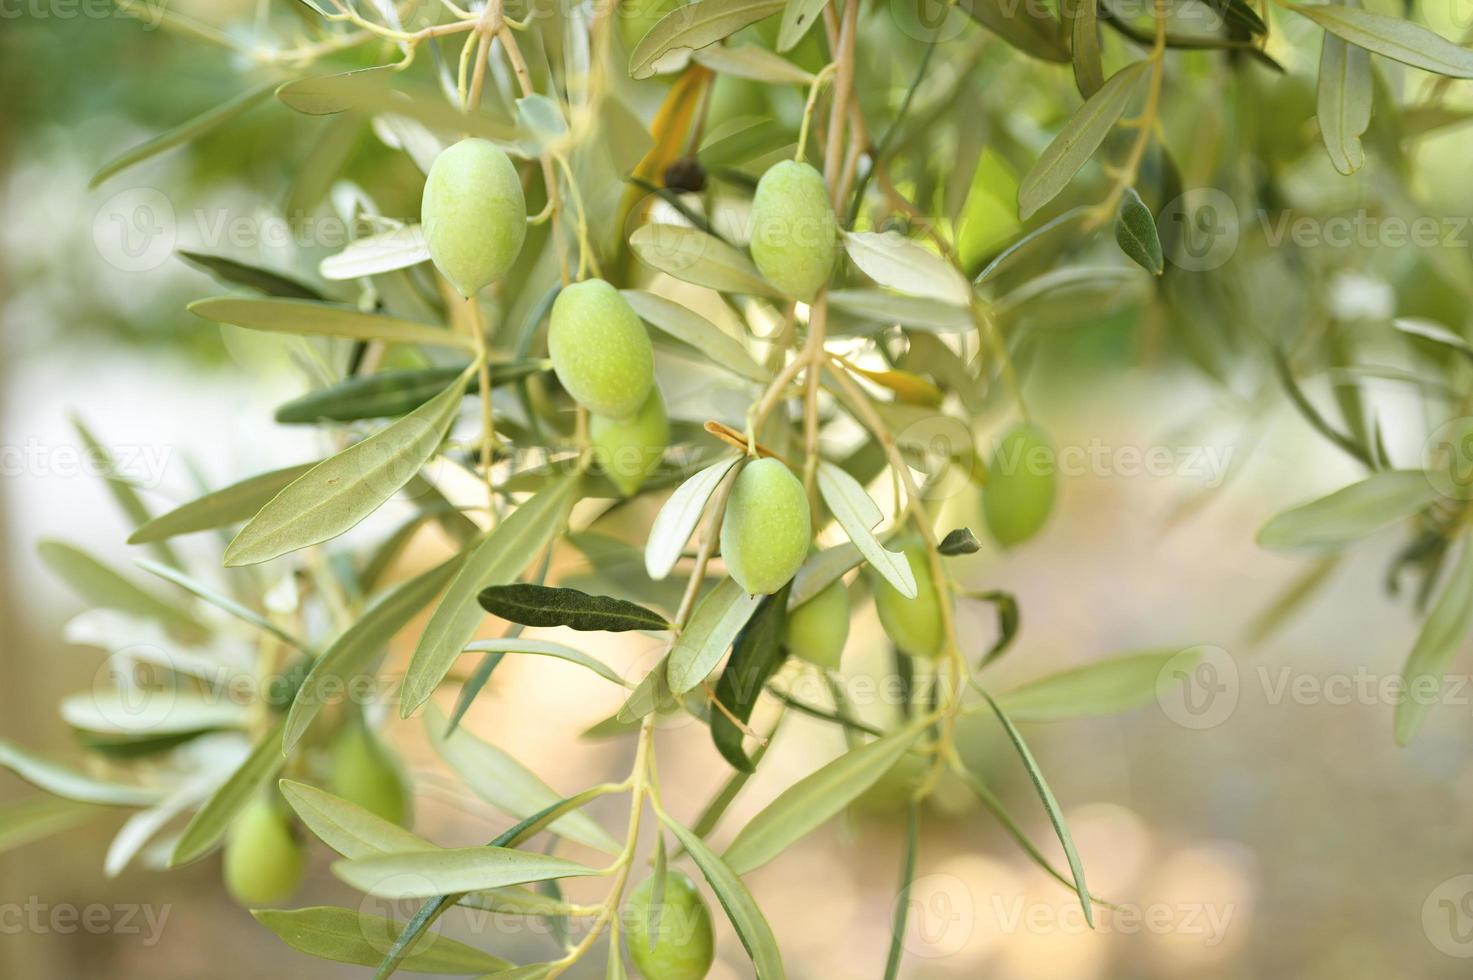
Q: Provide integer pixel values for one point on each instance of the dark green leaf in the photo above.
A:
(183, 133)
(1135, 232)
(543, 605)
(756, 654)
(389, 394)
(233, 272)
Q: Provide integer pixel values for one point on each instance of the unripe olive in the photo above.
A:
(1020, 486)
(913, 624)
(600, 350)
(818, 629)
(684, 947)
(364, 772)
(766, 531)
(630, 449)
(474, 214)
(794, 234)
(264, 862)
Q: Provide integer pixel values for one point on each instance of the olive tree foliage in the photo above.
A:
(759, 262)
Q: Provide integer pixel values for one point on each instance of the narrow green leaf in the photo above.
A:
(798, 17)
(37, 817)
(100, 585)
(508, 785)
(652, 693)
(907, 267)
(1135, 233)
(858, 514)
(1106, 688)
(714, 624)
(546, 606)
(152, 713)
(691, 27)
(1078, 140)
(746, 918)
(677, 519)
(1435, 332)
(346, 936)
(326, 95)
(1089, 71)
(907, 875)
(517, 644)
(217, 599)
(811, 801)
(389, 394)
(230, 505)
(1346, 90)
(689, 327)
(1443, 633)
(63, 781)
(211, 821)
(346, 827)
(233, 272)
(341, 491)
(323, 319)
(1030, 28)
(1350, 513)
(657, 891)
(400, 247)
(351, 655)
(693, 256)
(1051, 806)
(756, 654)
(183, 133)
(428, 874)
(498, 559)
(1009, 621)
(1392, 37)
(913, 312)
(821, 570)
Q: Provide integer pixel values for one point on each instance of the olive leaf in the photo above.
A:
(798, 17)
(34, 818)
(1135, 233)
(755, 656)
(1350, 513)
(387, 251)
(378, 89)
(1435, 332)
(347, 827)
(960, 541)
(1008, 622)
(858, 515)
(713, 626)
(68, 783)
(1084, 30)
(753, 62)
(1078, 140)
(229, 505)
(342, 490)
(693, 256)
(1050, 806)
(1344, 102)
(1108, 687)
(908, 386)
(506, 784)
(184, 133)
(1401, 40)
(102, 586)
(1030, 28)
(219, 600)
(692, 26)
(237, 273)
(120, 712)
(347, 936)
(1444, 632)
(912, 312)
(210, 822)
(351, 654)
(543, 605)
(428, 874)
(677, 519)
(746, 918)
(907, 875)
(657, 891)
(695, 330)
(498, 559)
(811, 801)
(652, 693)
(326, 95)
(517, 644)
(821, 570)
(900, 264)
(387, 394)
(294, 316)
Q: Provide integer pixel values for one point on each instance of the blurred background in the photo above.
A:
(1275, 830)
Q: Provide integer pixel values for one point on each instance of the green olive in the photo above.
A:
(1020, 486)
(474, 214)
(629, 449)
(817, 630)
(767, 530)
(913, 624)
(364, 772)
(264, 862)
(794, 234)
(684, 946)
(600, 350)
